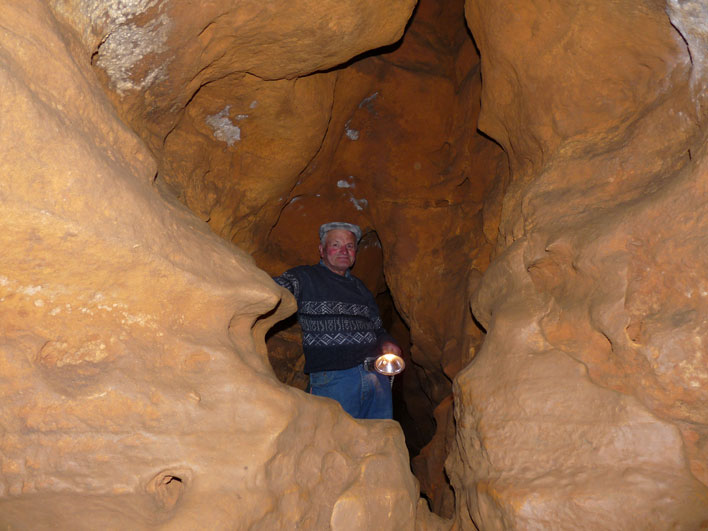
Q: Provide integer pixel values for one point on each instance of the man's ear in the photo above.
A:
(321, 251)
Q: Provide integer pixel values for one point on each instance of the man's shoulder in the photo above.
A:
(298, 280)
(303, 273)
(302, 270)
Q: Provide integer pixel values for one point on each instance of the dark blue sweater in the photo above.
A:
(339, 318)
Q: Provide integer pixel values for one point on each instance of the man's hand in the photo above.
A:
(388, 346)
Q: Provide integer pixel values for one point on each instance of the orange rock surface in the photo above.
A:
(216, 89)
(544, 273)
(136, 391)
(586, 406)
(401, 160)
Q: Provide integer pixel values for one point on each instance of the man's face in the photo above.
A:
(339, 250)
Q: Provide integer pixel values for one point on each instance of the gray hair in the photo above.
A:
(334, 225)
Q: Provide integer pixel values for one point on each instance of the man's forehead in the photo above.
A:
(340, 234)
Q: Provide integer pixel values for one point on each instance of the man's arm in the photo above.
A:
(390, 347)
(290, 282)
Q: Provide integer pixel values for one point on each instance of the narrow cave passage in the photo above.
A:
(401, 157)
(411, 408)
(136, 389)
(387, 140)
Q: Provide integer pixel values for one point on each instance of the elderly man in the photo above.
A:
(341, 326)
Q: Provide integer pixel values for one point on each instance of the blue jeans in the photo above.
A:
(363, 394)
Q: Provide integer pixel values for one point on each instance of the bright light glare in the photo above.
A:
(389, 364)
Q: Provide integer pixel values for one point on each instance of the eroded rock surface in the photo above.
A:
(196, 82)
(264, 153)
(586, 407)
(401, 160)
(136, 390)
(133, 370)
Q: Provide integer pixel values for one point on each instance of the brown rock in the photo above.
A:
(136, 384)
(575, 412)
(135, 387)
(428, 466)
(238, 149)
(189, 79)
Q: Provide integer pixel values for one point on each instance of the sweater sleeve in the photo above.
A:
(382, 336)
(290, 282)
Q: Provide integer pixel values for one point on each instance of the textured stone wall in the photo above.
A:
(136, 384)
(586, 407)
(264, 150)
(136, 391)
(216, 90)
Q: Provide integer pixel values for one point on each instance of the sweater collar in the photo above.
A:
(347, 274)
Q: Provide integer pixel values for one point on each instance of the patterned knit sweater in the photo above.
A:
(339, 318)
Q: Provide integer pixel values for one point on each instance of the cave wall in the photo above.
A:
(266, 146)
(399, 158)
(136, 383)
(220, 91)
(586, 406)
(136, 391)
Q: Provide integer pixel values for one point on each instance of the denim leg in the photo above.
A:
(343, 386)
(377, 402)
(362, 394)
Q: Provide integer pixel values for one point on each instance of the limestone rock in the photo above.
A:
(586, 406)
(189, 79)
(428, 466)
(135, 378)
(135, 386)
(239, 147)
